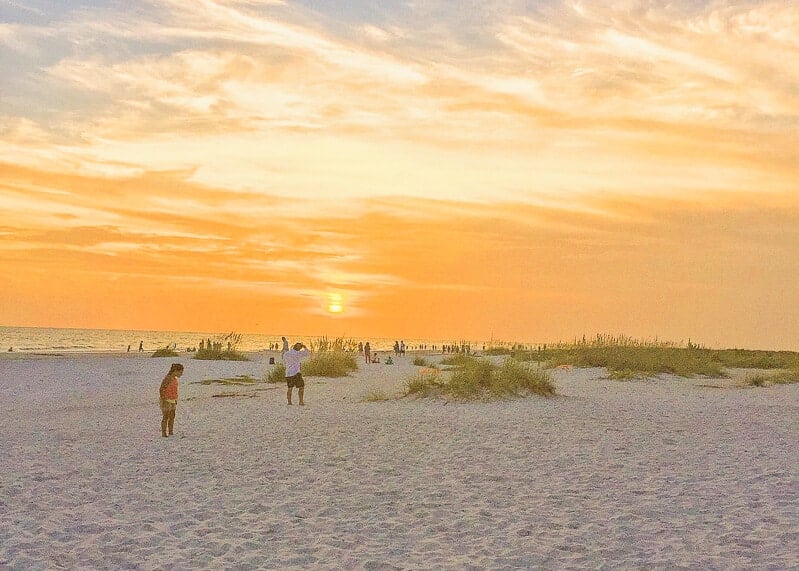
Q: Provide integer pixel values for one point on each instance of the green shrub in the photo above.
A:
(515, 378)
(420, 361)
(165, 352)
(776, 378)
(329, 364)
(424, 383)
(625, 362)
(458, 360)
(217, 355)
(338, 344)
(471, 378)
(277, 374)
(497, 351)
(627, 358)
(477, 378)
(222, 348)
(244, 380)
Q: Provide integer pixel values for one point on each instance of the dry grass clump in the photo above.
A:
(376, 396)
(420, 361)
(241, 380)
(223, 348)
(516, 378)
(276, 374)
(457, 360)
(632, 362)
(628, 358)
(784, 377)
(329, 364)
(338, 344)
(479, 378)
(165, 352)
(750, 359)
(425, 383)
(475, 378)
(220, 355)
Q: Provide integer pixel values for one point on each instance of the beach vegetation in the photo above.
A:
(276, 374)
(481, 379)
(376, 396)
(515, 378)
(627, 358)
(783, 377)
(493, 351)
(474, 378)
(752, 359)
(457, 360)
(425, 383)
(240, 380)
(165, 352)
(420, 361)
(340, 344)
(329, 364)
(222, 348)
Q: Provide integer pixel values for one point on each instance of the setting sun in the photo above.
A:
(335, 303)
(497, 172)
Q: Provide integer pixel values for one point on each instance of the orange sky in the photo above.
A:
(527, 174)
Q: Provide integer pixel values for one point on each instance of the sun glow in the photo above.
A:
(335, 303)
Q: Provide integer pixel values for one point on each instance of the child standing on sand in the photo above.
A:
(168, 398)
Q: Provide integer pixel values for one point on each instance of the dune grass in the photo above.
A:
(241, 380)
(329, 364)
(276, 374)
(376, 396)
(625, 362)
(322, 364)
(627, 358)
(220, 355)
(474, 378)
(165, 352)
(783, 377)
(223, 348)
(338, 344)
(425, 383)
(420, 361)
(457, 360)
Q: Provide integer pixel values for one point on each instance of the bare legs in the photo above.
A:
(168, 423)
(300, 393)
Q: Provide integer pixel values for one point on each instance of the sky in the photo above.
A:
(522, 171)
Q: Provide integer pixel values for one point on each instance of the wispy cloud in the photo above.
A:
(246, 144)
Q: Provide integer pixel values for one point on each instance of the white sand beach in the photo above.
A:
(657, 474)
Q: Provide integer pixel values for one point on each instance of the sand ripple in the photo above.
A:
(658, 474)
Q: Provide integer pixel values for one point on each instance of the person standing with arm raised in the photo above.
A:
(293, 359)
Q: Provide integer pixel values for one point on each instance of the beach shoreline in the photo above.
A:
(657, 473)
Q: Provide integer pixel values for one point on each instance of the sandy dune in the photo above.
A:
(652, 474)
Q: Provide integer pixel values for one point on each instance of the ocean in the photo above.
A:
(50, 340)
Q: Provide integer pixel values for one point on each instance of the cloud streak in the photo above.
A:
(256, 146)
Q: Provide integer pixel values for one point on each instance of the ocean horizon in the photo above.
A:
(79, 340)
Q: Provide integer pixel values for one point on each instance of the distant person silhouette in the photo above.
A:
(141, 346)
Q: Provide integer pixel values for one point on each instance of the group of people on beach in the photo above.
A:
(292, 359)
(168, 391)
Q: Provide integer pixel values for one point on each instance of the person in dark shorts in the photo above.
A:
(292, 359)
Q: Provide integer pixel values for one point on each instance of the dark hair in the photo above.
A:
(297, 346)
(175, 368)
